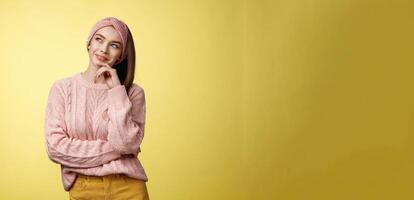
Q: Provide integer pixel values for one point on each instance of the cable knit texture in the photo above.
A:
(92, 129)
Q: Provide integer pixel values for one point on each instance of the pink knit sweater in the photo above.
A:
(92, 129)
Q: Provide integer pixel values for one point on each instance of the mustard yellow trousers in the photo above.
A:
(109, 187)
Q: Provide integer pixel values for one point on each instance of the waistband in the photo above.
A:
(89, 177)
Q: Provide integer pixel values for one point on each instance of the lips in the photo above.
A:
(101, 58)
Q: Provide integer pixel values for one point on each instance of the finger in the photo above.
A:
(99, 72)
(109, 69)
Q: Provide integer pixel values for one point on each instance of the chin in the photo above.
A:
(97, 63)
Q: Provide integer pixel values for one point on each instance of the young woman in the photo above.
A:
(94, 121)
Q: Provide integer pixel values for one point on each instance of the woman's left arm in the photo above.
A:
(126, 118)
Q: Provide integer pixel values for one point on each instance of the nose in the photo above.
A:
(103, 48)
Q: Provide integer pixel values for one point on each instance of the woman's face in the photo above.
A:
(105, 47)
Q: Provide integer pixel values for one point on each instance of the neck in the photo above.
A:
(90, 73)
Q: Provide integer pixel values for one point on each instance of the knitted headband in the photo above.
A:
(119, 26)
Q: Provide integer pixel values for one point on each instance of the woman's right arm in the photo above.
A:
(66, 150)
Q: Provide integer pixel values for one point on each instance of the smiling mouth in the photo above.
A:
(101, 58)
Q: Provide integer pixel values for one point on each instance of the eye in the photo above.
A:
(98, 39)
(115, 46)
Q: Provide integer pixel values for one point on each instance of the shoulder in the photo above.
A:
(136, 91)
(135, 88)
(61, 85)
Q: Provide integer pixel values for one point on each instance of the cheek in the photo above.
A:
(92, 47)
(116, 54)
(91, 52)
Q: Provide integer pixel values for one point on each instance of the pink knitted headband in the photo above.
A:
(119, 26)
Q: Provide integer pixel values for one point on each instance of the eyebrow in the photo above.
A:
(105, 38)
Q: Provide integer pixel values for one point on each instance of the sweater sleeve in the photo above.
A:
(126, 118)
(66, 150)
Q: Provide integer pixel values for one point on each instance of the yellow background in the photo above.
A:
(250, 99)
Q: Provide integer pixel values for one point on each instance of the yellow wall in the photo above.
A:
(328, 101)
(245, 99)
